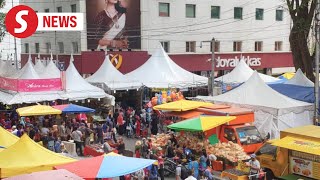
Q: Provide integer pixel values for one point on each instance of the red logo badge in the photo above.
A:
(21, 21)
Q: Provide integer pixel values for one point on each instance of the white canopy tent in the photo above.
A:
(27, 72)
(273, 111)
(299, 79)
(39, 66)
(108, 75)
(50, 71)
(78, 88)
(7, 69)
(241, 73)
(161, 72)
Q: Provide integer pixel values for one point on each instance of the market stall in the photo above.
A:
(106, 166)
(272, 111)
(166, 74)
(37, 110)
(112, 78)
(7, 139)
(27, 156)
(73, 108)
(191, 135)
(296, 155)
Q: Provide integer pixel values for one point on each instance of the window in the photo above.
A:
(279, 15)
(26, 47)
(237, 46)
(47, 10)
(164, 9)
(48, 47)
(215, 12)
(259, 14)
(75, 48)
(61, 47)
(238, 13)
(216, 46)
(73, 8)
(165, 45)
(249, 135)
(190, 10)
(59, 9)
(230, 135)
(278, 46)
(190, 46)
(37, 47)
(258, 46)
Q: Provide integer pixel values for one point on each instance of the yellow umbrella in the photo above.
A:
(37, 110)
(182, 105)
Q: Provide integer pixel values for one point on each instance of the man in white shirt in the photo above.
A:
(76, 136)
(254, 165)
(190, 177)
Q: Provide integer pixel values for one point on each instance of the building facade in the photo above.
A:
(184, 28)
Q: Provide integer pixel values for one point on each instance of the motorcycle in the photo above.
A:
(170, 166)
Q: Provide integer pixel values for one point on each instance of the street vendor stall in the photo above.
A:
(37, 110)
(73, 108)
(106, 166)
(228, 153)
(7, 139)
(296, 155)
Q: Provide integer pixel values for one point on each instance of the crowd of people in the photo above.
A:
(128, 122)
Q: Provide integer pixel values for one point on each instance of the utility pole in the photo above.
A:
(316, 85)
(15, 48)
(211, 79)
(213, 64)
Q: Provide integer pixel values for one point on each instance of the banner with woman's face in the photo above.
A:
(113, 24)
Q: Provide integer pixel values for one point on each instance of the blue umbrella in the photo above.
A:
(72, 108)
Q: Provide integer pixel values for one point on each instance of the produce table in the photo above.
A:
(94, 150)
(293, 177)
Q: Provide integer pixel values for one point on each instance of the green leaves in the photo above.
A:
(2, 25)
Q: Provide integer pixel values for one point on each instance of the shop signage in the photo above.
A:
(301, 167)
(116, 60)
(233, 62)
(37, 85)
(30, 85)
(8, 84)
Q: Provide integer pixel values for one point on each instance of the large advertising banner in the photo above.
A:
(113, 24)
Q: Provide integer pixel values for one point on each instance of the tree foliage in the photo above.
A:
(2, 17)
(302, 13)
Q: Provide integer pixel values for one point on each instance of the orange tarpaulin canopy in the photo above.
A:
(185, 114)
(230, 111)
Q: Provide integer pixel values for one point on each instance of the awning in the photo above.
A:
(182, 105)
(37, 110)
(202, 123)
(298, 144)
(185, 114)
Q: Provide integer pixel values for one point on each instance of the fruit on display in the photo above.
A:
(231, 151)
(192, 141)
(160, 140)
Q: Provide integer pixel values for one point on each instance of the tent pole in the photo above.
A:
(316, 85)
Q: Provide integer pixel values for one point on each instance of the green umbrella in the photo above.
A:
(202, 123)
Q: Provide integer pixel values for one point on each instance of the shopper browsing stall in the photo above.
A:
(254, 165)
